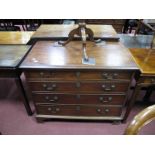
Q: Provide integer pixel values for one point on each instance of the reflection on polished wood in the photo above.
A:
(145, 59)
(15, 37)
(62, 31)
(138, 41)
(140, 120)
(11, 55)
(109, 55)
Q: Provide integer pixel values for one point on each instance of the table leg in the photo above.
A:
(23, 95)
(148, 94)
(132, 101)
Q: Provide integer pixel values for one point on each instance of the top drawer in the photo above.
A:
(77, 74)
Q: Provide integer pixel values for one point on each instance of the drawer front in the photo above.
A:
(78, 110)
(79, 99)
(55, 75)
(147, 80)
(74, 75)
(79, 86)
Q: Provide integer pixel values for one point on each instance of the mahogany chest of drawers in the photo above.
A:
(64, 88)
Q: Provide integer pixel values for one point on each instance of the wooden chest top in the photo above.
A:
(145, 59)
(47, 54)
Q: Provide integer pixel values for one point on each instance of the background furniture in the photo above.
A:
(130, 25)
(33, 24)
(145, 27)
(60, 32)
(144, 58)
(141, 42)
(15, 37)
(140, 120)
(118, 24)
(150, 28)
(10, 58)
(62, 87)
(25, 24)
(7, 25)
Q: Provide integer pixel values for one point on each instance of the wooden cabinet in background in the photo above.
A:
(118, 24)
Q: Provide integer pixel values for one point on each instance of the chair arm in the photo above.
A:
(141, 119)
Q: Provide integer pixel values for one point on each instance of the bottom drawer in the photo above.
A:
(78, 110)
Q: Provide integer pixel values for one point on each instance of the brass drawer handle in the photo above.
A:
(48, 88)
(44, 85)
(55, 98)
(106, 88)
(104, 111)
(106, 76)
(49, 109)
(115, 74)
(109, 76)
(57, 109)
(42, 73)
(47, 97)
(53, 109)
(105, 101)
(98, 110)
(152, 80)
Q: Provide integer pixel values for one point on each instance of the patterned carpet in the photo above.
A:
(14, 120)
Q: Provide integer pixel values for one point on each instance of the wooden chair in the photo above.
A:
(7, 25)
(129, 25)
(140, 120)
(32, 24)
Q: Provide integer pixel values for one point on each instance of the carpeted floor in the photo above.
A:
(15, 121)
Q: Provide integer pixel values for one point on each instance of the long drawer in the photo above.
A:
(82, 75)
(78, 110)
(147, 80)
(58, 98)
(86, 86)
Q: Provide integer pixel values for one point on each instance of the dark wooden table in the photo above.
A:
(60, 32)
(10, 58)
